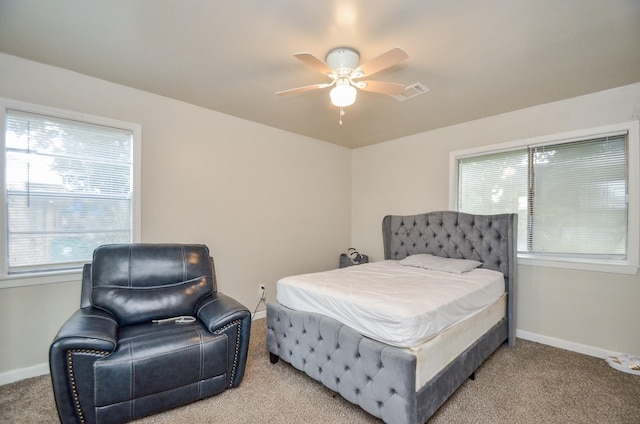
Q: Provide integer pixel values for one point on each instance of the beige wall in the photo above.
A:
(593, 312)
(268, 203)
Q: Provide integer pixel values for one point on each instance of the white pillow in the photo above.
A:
(438, 263)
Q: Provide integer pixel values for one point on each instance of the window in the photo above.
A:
(576, 197)
(69, 185)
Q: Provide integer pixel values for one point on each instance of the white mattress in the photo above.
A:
(395, 304)
(436, 353)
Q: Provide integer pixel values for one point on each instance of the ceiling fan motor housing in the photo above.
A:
(343, 60)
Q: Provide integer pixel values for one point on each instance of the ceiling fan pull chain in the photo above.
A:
(340, 115)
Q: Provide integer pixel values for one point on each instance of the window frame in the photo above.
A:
(629, 265)
(46, 277)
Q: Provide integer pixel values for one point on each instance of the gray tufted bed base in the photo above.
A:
(381, 378)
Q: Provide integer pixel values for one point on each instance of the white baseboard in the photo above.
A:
(259, 315)
(566, 345)
(23, 373)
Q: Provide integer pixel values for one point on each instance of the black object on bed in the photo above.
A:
(381, 378)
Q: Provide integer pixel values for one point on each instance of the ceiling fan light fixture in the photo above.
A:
(342, 66)
(343, 94)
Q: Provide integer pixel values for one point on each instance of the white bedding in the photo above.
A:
(395, 304)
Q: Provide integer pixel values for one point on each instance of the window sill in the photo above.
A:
(35, 279)
(620, 267)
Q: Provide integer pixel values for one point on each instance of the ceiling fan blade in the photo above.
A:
(316, 63)
(385, 60)
(302, 89)
(383, 87)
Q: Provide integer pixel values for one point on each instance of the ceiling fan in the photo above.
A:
(342, 67)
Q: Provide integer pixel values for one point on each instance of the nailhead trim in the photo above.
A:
(72, 379)
(235, 357)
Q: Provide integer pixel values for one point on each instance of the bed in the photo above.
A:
(396, 382)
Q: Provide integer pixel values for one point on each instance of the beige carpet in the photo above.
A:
(531, 383)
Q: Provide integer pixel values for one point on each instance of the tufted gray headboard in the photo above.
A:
(490, 239)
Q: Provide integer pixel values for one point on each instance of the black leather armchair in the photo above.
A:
(121, 356)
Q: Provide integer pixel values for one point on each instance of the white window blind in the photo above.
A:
(571, 197)
(493, 184)
(68, 190)
(578, 198)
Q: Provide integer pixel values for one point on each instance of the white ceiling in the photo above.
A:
(478, 58)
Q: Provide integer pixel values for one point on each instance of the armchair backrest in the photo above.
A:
(142, 282)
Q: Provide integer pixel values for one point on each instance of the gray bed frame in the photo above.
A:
(381, 378)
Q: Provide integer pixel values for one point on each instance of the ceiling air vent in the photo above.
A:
(412, 90)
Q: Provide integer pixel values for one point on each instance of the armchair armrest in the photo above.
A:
(218, 310)
(88, 328)
(88, 335)
(222, 314)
